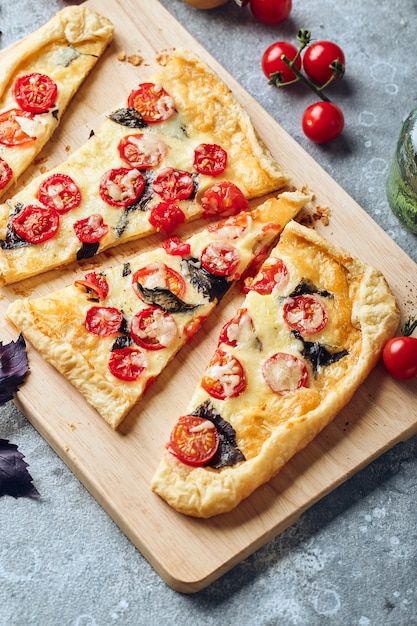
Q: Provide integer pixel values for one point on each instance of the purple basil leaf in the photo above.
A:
(15, 479)
(13, 368)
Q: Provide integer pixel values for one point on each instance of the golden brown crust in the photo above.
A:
(271, 428)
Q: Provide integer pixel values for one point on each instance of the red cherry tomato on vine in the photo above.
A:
(272, 62)
(322, 122)
(317, 60)
(270, 12)
(400, 357)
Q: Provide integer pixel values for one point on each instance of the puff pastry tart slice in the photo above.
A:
(111, 333)
(177, 147)
(308, 333)
(38, 78)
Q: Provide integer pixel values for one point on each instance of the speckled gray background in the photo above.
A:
(351, 560)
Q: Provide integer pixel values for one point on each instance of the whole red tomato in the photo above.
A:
(317, 60)
(400, 357)
(272, 62)
(270, 12)
(322, 122)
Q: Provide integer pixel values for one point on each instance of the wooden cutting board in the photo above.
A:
(116, 467)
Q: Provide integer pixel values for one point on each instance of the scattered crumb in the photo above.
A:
(67, 148)
(66, 448)
(135, 59)
(71, 425)
(40, 160)
(163, 57)
(122, 56)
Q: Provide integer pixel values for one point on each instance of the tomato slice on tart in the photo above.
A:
(153, 329)
(166, 217)
(233, 227)
(142, 150)
(193, 440)
(121, 187)
(152, 102)
(305, 314)
(220, 258)
(59, 191)
(159, 276)
(94, 283)
(173, 184)
(284, 373)
(36, 224)
(91, 229)
(223, 199)
(103, 320)
(35, 92)
(127, 364)
(272, 275)
(11, 131)
(175, 246)
(210, 159)
(6, 173)
(239, 330)
(224, 376)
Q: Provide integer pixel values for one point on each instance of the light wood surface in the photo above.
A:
(117, 467)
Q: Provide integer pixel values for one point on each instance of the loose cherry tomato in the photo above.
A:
(238, 330)
(272, 62)
(176, 247)
(122, 186)
(272, 275)
(224, 376)
(96, 284)
(36, 224)
(6, 173)
(400, 357)
(103, 320)
(153, 329)
(152, 102)
(270, 12)
(142, 150)
(322, 122)
(317, 60)
(220, 258)
(166, 217)
(59, 192)
(127, 364)
(223, 199)
(159, 276)
(305, 314)
(11, 132)
(173, 184)
(35, 92)
(284, 373)
(210, 159)
(194, 440)
(91, 229)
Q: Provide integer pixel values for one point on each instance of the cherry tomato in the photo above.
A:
(59, 192)
(159, 276)
(173, 184)
(166, 217)
(36, 224)
(103, 320)
(127, 364)
(142, 150)
(284, 373)
(96, 284)
(305, 314)
(152, 102)
(220, 258)
(153, 329)
(223, 199)
(224, 376)
(238, 330)
(176, 247)
(272, 62)
(11, 132)
(122, 186)
(210, 159)
(317, 60)
(194, 440)
(6, 173)
(35, 92)
(400, 357)
(272, 275)
(233, 227)
(91, 229)
(193, 326)
(270, 12)
(322, 122)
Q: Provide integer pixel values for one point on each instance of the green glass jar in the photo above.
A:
(402, 176)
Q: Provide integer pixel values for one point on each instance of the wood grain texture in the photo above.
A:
(117, 467)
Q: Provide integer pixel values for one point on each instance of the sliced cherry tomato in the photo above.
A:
(272, 275)
(400, 357)
(159, 276)
(153, 329)
(322, 122)
(96, 284)
(270, 12)
(220, 258)
(142, 150)
(103, 320)
(59, 192)
(233, 227)
(273, 64)
(166, 217)
(11, 132)
(6, 173)
(35, 92)
(223, 199)
(192, 327)
(152, 102)
(172, 184)
(122, 186)
(91, 229)
(305, 314)
(238, 330)
(318, 58)
(127, 364)
(284, 373)
(210, 159)
(176, 247)
(194, 440)
(36, 224)
(224, 376)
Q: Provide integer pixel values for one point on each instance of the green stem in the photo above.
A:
(303, 79)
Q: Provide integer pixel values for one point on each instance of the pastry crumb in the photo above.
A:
(71, 425)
